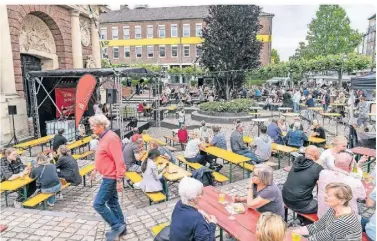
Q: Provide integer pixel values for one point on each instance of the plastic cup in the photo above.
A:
(296, 236)
(221, 198)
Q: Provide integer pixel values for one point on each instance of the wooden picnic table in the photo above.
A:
(36, 142)
(228, 156)
(174, 176)
(284, 109)
(147, 138)
(243, 227)
(364, 151)
(11, 186)
(311, 139)
(79, 143)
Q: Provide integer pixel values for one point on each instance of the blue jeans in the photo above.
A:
(164, 186)
(55, 189)
(324, 107)
(107, 205)
(250, 154)
(201, 159)
(296, 107)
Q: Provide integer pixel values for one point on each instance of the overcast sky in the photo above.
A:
(289, 26)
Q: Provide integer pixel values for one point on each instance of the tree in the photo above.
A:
(230, 43)
(330, 33)
(300, 52)
(275, 57)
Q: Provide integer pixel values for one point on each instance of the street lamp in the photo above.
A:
(344, 57)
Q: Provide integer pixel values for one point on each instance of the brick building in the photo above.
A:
(166, 36)
(42, 37)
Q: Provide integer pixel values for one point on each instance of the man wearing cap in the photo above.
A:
(132, 153)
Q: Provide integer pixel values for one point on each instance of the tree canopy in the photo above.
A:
(275, 57)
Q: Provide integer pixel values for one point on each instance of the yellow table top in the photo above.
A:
(290, 114)
(147, 138)
(338, 104)
(19, 152)
(284, 108)
(226, 155)
(34, 142)
(248, 139)
(178, 174)
(372, 114)
(315, 108)
(283, 148)
(81, 142)
(15, 184)
(331, 114)
(172, 107)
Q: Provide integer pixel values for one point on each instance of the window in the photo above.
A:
(198, 50)
(161, 31)
(174, 51)
(198, 30)
(127, 51)
(173, 31)
(115, 52)
(150, 31)
(150, 51)
(114, 32)
(137, 31)
(138, 51)
(162, 51)
(186, 30)
(186, 50)
(103, 33)
(104, 53)
(126, 32)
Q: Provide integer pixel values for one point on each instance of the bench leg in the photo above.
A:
(84, 180)
(6, 199)
(44, 204)
(286, 215)
(221, 234)
(230, 172)
(29, 151)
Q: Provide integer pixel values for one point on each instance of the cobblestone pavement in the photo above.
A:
(74, 218)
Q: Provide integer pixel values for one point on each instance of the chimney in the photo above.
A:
(124, 7)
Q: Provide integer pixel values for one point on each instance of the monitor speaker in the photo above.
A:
(111, 96)
(12, 110)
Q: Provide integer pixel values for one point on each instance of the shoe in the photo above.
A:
(218, 168)
(59, 196)
(212, 167)
(50, 204)
(124, 233)
(17, 204)
(113, 234)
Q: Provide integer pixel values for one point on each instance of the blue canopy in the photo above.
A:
(365, 82)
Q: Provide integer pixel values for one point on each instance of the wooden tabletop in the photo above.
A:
(178, 175)
(260, 120)
(290, 114)
(147, 138)
(284, 108)
(226, 155)
(372, 114)
(331, 114)
(34, 142)
(364, 151)
(15, 184)
(283, 148)
(81, 142)
(315, 108)
(255, 108)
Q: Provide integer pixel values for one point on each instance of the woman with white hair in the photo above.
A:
(263, 194)
(46, 177)
(187, 222)
(296, 136)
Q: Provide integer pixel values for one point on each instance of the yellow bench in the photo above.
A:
(157, 229)
(36, 142)
(42, 197)
(85, 170)
(154, 197)
(172, 108)
(282, 148)
(218, 176)
(82, 155)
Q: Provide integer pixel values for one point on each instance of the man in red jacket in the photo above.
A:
(109, 163)
(182, 135)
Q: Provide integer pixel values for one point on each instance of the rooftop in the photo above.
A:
(152, 14)
(373, 17)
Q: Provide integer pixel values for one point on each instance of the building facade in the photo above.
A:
(41, 37)
(368, 41)
(167, 36)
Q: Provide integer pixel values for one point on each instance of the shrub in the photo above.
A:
(233, 106)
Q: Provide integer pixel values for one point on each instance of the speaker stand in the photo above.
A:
(14, 137)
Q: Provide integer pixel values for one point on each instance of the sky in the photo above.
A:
(289, 26)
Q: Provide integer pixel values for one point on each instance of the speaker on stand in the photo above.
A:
(111, 98)
(12, 110)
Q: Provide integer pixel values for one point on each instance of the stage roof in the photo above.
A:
(367, 82)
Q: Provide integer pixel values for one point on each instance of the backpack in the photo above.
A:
(205, 176)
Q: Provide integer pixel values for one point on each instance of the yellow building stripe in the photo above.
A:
(165, 41)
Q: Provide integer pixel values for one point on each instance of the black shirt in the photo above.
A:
(69, 169)
(49, 177)
(302, 178)
(321, 132)
(58, 141)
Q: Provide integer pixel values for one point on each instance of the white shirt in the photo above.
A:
(297, 97)
(192, 148)
(181, 117)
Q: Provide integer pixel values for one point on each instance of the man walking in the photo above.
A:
(109, 163)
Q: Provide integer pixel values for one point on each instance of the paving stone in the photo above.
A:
(34, 237)
(64, 235)
(22, 236)
(47, 238)
(77, 237)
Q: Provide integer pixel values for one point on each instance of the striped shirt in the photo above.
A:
(331, 228)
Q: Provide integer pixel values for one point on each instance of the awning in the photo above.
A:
(365, 82)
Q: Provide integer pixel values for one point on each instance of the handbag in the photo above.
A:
(163, 235)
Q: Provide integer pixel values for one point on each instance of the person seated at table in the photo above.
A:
(263, 194)
(296, 136)
(317, 130)
(262, 146)
(204, 132)
(132, 153)
(341, 98)
(341, 173)
(153, 181)
(302, 178)
(192, 151)
(164, 100)
(187, 99)
(218, 139)
(187, 221)
(12, 168)
(59, 140)
(339, 222)
(270, 227)
(310, 101)
(287, 100)
(47, 177)
(369, 225)
(182, 135)
(282, 124)
(164, 152)
(67, 167)
(93, 143)
(274, 131)
(140, 107)
(237, 144)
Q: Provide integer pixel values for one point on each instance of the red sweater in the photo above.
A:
(182, 135)
(109, 157)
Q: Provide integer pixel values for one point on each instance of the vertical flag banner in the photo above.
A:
(84, 91)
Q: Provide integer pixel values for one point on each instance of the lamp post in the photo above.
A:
(344, 57)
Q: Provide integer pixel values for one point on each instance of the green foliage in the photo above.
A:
(193, 83)
(301, 52)
(330, 33)
(233, 106)
(275, 56)
(150, 67)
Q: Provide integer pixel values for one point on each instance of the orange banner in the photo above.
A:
(84, 91)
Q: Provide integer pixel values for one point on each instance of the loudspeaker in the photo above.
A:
(111, 96)
(200, 81)
(12, 110)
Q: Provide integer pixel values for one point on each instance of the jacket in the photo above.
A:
(296, 138)
(182, 136)
(151, 178)
(236, 142)
(8, 168)
(275, 133)
(187, 224)
(310, 102)
(204, 175)
(69, 169)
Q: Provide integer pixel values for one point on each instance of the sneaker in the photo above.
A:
(17, 204)
(50, 204)
(114, 234)
(218, 168)
(124, 233)
(59, 196)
